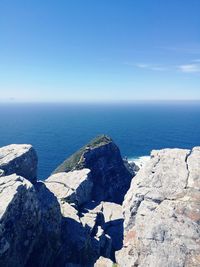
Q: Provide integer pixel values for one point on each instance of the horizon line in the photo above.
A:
(105, 102)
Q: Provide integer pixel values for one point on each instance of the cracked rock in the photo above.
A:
(162, 212)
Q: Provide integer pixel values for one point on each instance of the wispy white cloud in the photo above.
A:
(189, 68)
(184, 49)
(152, 67)
(141, 65)
(192, 67)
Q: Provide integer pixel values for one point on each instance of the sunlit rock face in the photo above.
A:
(72, 187)
(61, 221)
(162, 212)
(19, 159)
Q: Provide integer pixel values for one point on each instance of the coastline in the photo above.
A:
(139, 161)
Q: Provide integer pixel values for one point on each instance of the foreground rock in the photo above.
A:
(49, 223)
(105, 222)
(111, 178)
(61, 222)
(29, 223)
(88, 230)
(19, 159)
(72, 187)
(162, 218)
(19, 212)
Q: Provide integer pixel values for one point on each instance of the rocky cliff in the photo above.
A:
(162, 212)
(68, 221)
(111, 178)
(61, 222)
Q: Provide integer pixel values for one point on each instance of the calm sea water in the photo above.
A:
(56, 131)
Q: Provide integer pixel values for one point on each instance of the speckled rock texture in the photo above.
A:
(62, 222)
(162, 212)
(29, 223)
(19, 159)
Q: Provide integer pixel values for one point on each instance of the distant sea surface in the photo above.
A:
(58, 130)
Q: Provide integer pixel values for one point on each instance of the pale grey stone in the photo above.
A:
(193, 162)
(30, 223)
(108, 217)
(162, 212)
(72, 187)
(19, 212)
(19, 159)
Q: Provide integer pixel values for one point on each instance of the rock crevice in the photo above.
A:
(75, 217)
(67, 219)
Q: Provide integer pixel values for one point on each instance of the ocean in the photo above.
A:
(58, 130)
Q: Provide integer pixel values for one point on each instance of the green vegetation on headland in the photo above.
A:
(76, 161)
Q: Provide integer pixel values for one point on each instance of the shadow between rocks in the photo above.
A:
(53, 240)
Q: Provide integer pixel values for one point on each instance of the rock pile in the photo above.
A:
(65, 220)
(75, 217)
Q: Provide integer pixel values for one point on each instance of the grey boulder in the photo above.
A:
(19, 159)
(19, 220)
(72, 187)
(30, 222)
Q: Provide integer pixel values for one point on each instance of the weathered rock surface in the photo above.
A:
(29, 224)
(54, 223)
(89, 232)
(162, 212)
(47, 248)
(72, 187)
(111, 179)
(72, 190)
(82, 235)
(19, 220)
(105, 222)
(61, 222)
(19, 159)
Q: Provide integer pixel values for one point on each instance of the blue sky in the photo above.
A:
(99, 50)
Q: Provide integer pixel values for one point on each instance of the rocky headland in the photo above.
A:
(94, 211)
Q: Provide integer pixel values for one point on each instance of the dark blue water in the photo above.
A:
(56, 131)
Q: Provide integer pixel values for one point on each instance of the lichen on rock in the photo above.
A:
(161, 212)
